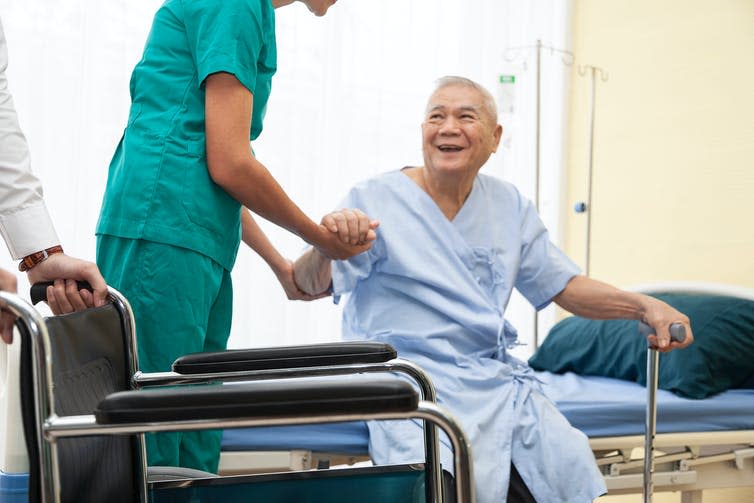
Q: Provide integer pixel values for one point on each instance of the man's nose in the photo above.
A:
(449, 126)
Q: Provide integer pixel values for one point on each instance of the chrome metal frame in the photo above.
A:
(53, 426)
(426, 388)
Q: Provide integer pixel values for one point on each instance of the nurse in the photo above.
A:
(182, 181)
(452, 246)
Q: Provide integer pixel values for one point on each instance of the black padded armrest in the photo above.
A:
(285, 357)
(266, 399)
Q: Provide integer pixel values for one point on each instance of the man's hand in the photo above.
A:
(288, 282)
(660, 316)
(351, 225)
(7, 284)
(348, 233)
(64, 296)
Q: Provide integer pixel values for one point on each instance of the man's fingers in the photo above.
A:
(74, 296)
(87, 297)
(57, 299)
(329, 222)
(100, 297)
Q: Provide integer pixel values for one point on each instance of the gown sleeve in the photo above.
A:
(544, 270)
(347, 273)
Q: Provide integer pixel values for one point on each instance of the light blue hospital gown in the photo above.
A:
(437, 290)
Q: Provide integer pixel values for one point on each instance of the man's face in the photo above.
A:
(458, 132)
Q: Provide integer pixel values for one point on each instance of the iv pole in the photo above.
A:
(586, 207)
(567, 58)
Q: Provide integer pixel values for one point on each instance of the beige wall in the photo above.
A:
(673, 193)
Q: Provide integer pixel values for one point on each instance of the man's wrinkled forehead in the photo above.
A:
(440, 107)
(456, 98)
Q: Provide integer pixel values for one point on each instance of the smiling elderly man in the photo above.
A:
(451, 246)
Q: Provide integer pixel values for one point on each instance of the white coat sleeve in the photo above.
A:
(25, 223)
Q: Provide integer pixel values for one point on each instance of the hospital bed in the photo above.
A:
(700, 444)
(84, 421)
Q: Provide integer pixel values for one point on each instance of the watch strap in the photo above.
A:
(35, 258)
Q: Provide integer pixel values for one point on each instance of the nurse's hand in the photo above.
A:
(7, 284)
(351, 225)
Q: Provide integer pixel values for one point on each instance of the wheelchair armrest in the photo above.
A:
(284, 357)
(257, 400)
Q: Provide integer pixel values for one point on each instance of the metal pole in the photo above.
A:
(653, 358)
(586, 207)
(567, 57)
(536, 167)
(591, 161)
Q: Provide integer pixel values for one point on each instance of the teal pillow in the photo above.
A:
(721, 357)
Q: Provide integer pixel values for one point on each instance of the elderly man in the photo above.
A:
(452, 244)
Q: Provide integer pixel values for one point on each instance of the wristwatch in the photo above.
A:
(35, 258)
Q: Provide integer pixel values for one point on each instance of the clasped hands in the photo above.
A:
(349, 232)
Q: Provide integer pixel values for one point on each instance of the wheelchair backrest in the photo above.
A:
(89, 355)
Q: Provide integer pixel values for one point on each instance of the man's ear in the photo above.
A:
(497, 134)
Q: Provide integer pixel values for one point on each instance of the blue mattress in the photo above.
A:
(598, 406)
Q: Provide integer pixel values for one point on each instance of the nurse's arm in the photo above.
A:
(594, 299)
(231, 165)
(257, 240)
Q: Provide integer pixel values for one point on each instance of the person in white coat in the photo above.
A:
(26, 226)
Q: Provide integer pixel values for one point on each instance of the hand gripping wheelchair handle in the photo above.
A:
(38, 292)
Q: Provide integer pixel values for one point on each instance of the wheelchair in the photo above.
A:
(86, 407)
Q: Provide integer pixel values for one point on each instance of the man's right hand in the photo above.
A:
(64, 296)
(7, 284)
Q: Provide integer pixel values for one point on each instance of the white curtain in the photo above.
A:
(346, 104)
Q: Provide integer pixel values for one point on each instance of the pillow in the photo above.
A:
(721, 357)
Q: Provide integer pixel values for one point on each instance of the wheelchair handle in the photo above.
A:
(38, 291)
(677, 331)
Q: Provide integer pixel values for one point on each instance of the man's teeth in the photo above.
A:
(449, 148)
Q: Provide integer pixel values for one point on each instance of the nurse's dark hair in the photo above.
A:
(453, 80)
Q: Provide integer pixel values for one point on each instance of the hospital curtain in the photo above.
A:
(346, 104)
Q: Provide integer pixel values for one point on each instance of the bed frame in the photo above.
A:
(688, 462)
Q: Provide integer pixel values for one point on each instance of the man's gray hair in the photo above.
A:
(452, 80)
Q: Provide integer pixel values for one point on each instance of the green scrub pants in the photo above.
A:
(183, 303)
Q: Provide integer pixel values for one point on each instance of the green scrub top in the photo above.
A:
(158, 186)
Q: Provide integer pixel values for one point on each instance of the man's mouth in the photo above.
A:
(449, 148)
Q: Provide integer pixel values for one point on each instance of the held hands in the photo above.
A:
(350, 232)
(660, 316)
(7, 284)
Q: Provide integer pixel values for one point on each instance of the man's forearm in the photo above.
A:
(593, 299)
(313, 272)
